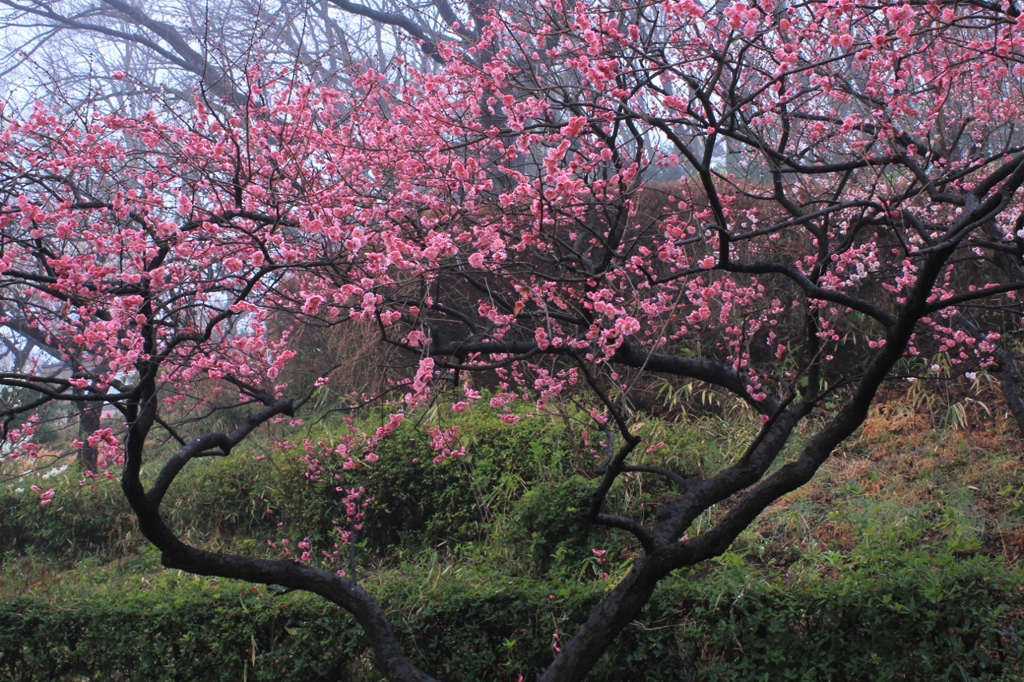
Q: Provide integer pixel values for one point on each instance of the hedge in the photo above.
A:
(914, 617)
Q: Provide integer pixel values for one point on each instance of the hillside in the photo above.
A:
(898, 562)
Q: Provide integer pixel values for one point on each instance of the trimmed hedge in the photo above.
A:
(223, 633)
(917, 617)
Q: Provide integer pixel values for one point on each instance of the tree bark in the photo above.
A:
(606, 622)
(1010, 382)
(88, 423)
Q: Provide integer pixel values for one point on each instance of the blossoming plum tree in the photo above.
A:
(850, 185)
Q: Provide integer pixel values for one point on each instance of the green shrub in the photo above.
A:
(416, 503)
(243, 500)
(915, 617)
(550, 519)
(911, 616)
(82, 520)
(197, 631)
(246, 500)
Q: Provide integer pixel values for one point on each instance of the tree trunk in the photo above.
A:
(88, 423)
(1010, 381)
(607, 620)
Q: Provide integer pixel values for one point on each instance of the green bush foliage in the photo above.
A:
(914, 617)
(191, 630)
(482, 560)
(418, 503)
(83, 520)
(549, 519)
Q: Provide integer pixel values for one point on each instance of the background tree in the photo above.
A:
(172, 48)
(883, 177)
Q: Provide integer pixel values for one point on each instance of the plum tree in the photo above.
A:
(848, 195)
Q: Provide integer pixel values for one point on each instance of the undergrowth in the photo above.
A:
(897, 562)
